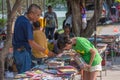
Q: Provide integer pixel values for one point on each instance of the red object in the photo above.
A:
(103, 62)
(116, 29)
(30, 73)
(118, 7)
(104, 11)
(0, 49)
(67, 70)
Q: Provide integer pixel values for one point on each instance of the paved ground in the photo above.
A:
(113, 71)
(108, 29)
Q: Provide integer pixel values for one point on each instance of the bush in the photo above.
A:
(2, 22)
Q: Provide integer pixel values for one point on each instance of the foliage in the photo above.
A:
(2, 22)
(55, 2)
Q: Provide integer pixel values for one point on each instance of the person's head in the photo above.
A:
(49, 8)
(82, 5)
(67, 29)
(33, 12)
(36, 25)
(64, 43)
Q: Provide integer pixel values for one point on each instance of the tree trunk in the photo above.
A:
(8, 42)
(73, 5)
(69, 7)
(91, 24)
(76, 18)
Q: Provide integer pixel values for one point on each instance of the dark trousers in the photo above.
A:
(49, 31)
(22, 60)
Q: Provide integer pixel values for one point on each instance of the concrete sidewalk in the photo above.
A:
(113, 71)
(108, 29)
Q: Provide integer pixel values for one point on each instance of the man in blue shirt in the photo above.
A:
(23, 39)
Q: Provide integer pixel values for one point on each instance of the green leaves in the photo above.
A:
(2, 22)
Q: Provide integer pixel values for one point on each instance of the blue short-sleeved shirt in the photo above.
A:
(23, 31)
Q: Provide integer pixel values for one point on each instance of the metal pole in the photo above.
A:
(95, 35)
(2, 9)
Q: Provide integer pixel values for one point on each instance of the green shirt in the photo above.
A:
(83, 47)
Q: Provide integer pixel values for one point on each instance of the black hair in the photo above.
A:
(50, 37)
(49, 6)
(62, 41)
(56, 35)
(81, 5)
(36, 24)
(29, 10)
(66, 26)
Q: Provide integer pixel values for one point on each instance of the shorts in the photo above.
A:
(84, 25)
(94, 68)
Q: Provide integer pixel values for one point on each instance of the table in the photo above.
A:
(101, 47)
(102, 50)
(51, 72)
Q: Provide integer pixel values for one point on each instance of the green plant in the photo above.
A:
(2, 22)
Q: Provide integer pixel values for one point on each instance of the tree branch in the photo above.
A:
(91, 24)
(15, 7)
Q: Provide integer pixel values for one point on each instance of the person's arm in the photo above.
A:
(39, 48)
(36, 46)
(93, 53)
(56, 20)
(29, 33)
